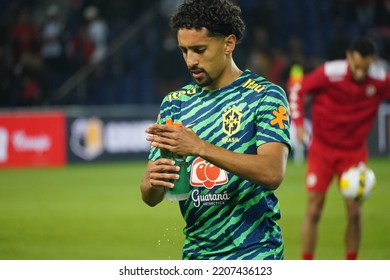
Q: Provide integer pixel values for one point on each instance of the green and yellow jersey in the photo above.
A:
(228, 217)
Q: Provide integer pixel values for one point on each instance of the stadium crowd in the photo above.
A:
(43, 43)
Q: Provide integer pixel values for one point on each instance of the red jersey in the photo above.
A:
(342, 110)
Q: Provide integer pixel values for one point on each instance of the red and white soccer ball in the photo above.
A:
(357, 182)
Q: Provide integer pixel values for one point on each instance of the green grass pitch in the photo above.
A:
(95, 212)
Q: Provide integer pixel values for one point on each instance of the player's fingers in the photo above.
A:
(165, 165)
(160, 128)
(159, 183)
(163, 179)
(164, 176)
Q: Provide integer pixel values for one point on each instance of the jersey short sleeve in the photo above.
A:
(273, 117)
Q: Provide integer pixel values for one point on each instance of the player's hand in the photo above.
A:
(179, 140)
(162, 172)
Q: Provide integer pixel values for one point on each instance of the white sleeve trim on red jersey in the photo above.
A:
(377, 71)
(336, 70)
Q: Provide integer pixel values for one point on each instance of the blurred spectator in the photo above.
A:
(23, 82)
(24, 37)
(97, 31)
(31, 92)
(52, 46)
(51, 42)
(79, 49)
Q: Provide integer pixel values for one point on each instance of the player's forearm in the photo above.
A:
(151, 195)
(265, 169)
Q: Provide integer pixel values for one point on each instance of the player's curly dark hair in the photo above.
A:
(363, 45)
(220, 17)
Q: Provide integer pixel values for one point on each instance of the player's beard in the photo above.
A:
(203, 81)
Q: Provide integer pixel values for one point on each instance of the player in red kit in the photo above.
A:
(346, 95)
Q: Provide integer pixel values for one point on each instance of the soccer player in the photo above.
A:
(346, 95)
(235, 137)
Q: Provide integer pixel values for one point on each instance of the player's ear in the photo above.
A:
(230, 43)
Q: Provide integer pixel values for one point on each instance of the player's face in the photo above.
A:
(359, 65)
(206, 57)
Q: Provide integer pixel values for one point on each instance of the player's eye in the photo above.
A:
(199, 50)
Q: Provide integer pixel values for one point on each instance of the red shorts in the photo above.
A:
(323, 162)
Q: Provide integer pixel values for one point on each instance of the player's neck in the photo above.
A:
(230, 74)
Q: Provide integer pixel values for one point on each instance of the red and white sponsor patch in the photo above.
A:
(205, 174)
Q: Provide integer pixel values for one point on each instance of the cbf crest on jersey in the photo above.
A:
(231, 121)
